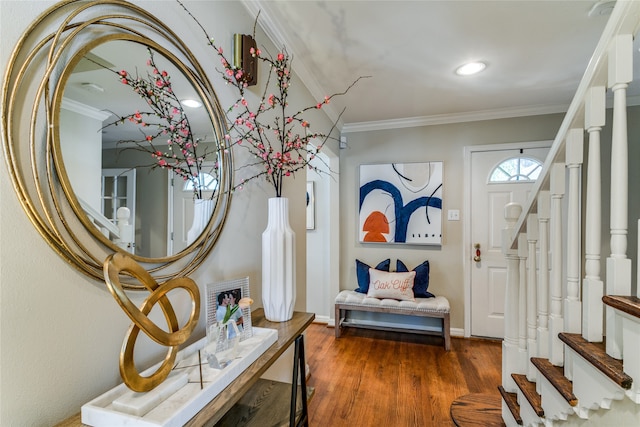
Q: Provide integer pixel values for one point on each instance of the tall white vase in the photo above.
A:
(202, 209)
(278, 263)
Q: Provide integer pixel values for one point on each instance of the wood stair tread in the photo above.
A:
(555, 375)
(595, 353)
(627, 304)
(511, 399)
(528, 389)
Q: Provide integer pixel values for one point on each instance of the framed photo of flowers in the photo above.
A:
(401, 203)
(224, 302)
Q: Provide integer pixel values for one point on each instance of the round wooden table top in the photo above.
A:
(477, 409)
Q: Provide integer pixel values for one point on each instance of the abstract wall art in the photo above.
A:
(401, 203)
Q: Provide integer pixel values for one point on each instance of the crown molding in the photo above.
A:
(440, 119)
(84, 109)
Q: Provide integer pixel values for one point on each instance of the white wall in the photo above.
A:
(80, 141)
(318, 278)
(60, 332)
(436, 143)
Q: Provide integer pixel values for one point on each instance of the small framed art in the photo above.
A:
(311, 206)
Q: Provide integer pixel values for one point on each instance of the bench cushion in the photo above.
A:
(437, 304)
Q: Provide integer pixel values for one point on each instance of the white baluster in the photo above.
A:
(618, 265)
(572, 304)
(523, 254)
(544, 213)
(556, 321)
(592, 285)
(510, 345)
(532, 296)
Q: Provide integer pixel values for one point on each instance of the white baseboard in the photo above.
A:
(456, 332)
(322, 319)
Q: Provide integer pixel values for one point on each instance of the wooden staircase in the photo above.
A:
(550, 400)
(557, 366)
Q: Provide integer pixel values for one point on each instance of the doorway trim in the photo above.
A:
(466, 239)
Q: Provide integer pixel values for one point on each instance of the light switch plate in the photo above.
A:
(453, 215)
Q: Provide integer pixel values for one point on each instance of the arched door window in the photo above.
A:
(516, 169)
(207, 183)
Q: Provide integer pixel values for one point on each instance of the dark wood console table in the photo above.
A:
(289, 332)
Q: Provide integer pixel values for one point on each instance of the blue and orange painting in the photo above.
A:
(401, 203)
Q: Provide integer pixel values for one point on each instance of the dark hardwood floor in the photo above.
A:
(376, 378)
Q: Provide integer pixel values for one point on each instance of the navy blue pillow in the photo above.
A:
(421, 281)
(362, 273)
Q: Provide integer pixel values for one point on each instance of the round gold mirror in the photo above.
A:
(104, 152)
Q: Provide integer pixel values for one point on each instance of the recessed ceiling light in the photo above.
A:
(470, 68)
(191, 103)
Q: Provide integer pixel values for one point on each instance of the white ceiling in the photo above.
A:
(536, 53)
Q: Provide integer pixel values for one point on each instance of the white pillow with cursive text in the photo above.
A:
(383, 284)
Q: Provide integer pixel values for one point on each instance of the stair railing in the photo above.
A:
(546, 298)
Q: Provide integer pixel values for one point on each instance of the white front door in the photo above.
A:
(488, 274)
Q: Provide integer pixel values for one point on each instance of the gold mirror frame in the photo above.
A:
(31, 97)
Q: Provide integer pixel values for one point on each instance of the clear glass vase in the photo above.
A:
(222, 344)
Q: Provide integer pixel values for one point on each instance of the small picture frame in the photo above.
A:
(311, 206)
(228, 293)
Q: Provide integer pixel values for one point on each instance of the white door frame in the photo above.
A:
(466, 239)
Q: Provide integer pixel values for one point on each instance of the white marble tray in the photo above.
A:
(179, 398)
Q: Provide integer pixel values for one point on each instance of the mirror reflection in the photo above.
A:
(139, 160)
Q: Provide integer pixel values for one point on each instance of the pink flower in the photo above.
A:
(281, 57)
(123, 73)
(162, 163)
(319, 106)
(124, 81)
(305, 124)
(149, 137)
(220, 50)
(244, 102)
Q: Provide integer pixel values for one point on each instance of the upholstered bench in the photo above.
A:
(436, 307)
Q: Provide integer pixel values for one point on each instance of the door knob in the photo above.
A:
(477, 257)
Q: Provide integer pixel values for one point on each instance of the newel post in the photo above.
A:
(510, 345)
(618, 265)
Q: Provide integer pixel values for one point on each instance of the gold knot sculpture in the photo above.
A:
(119, 263)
